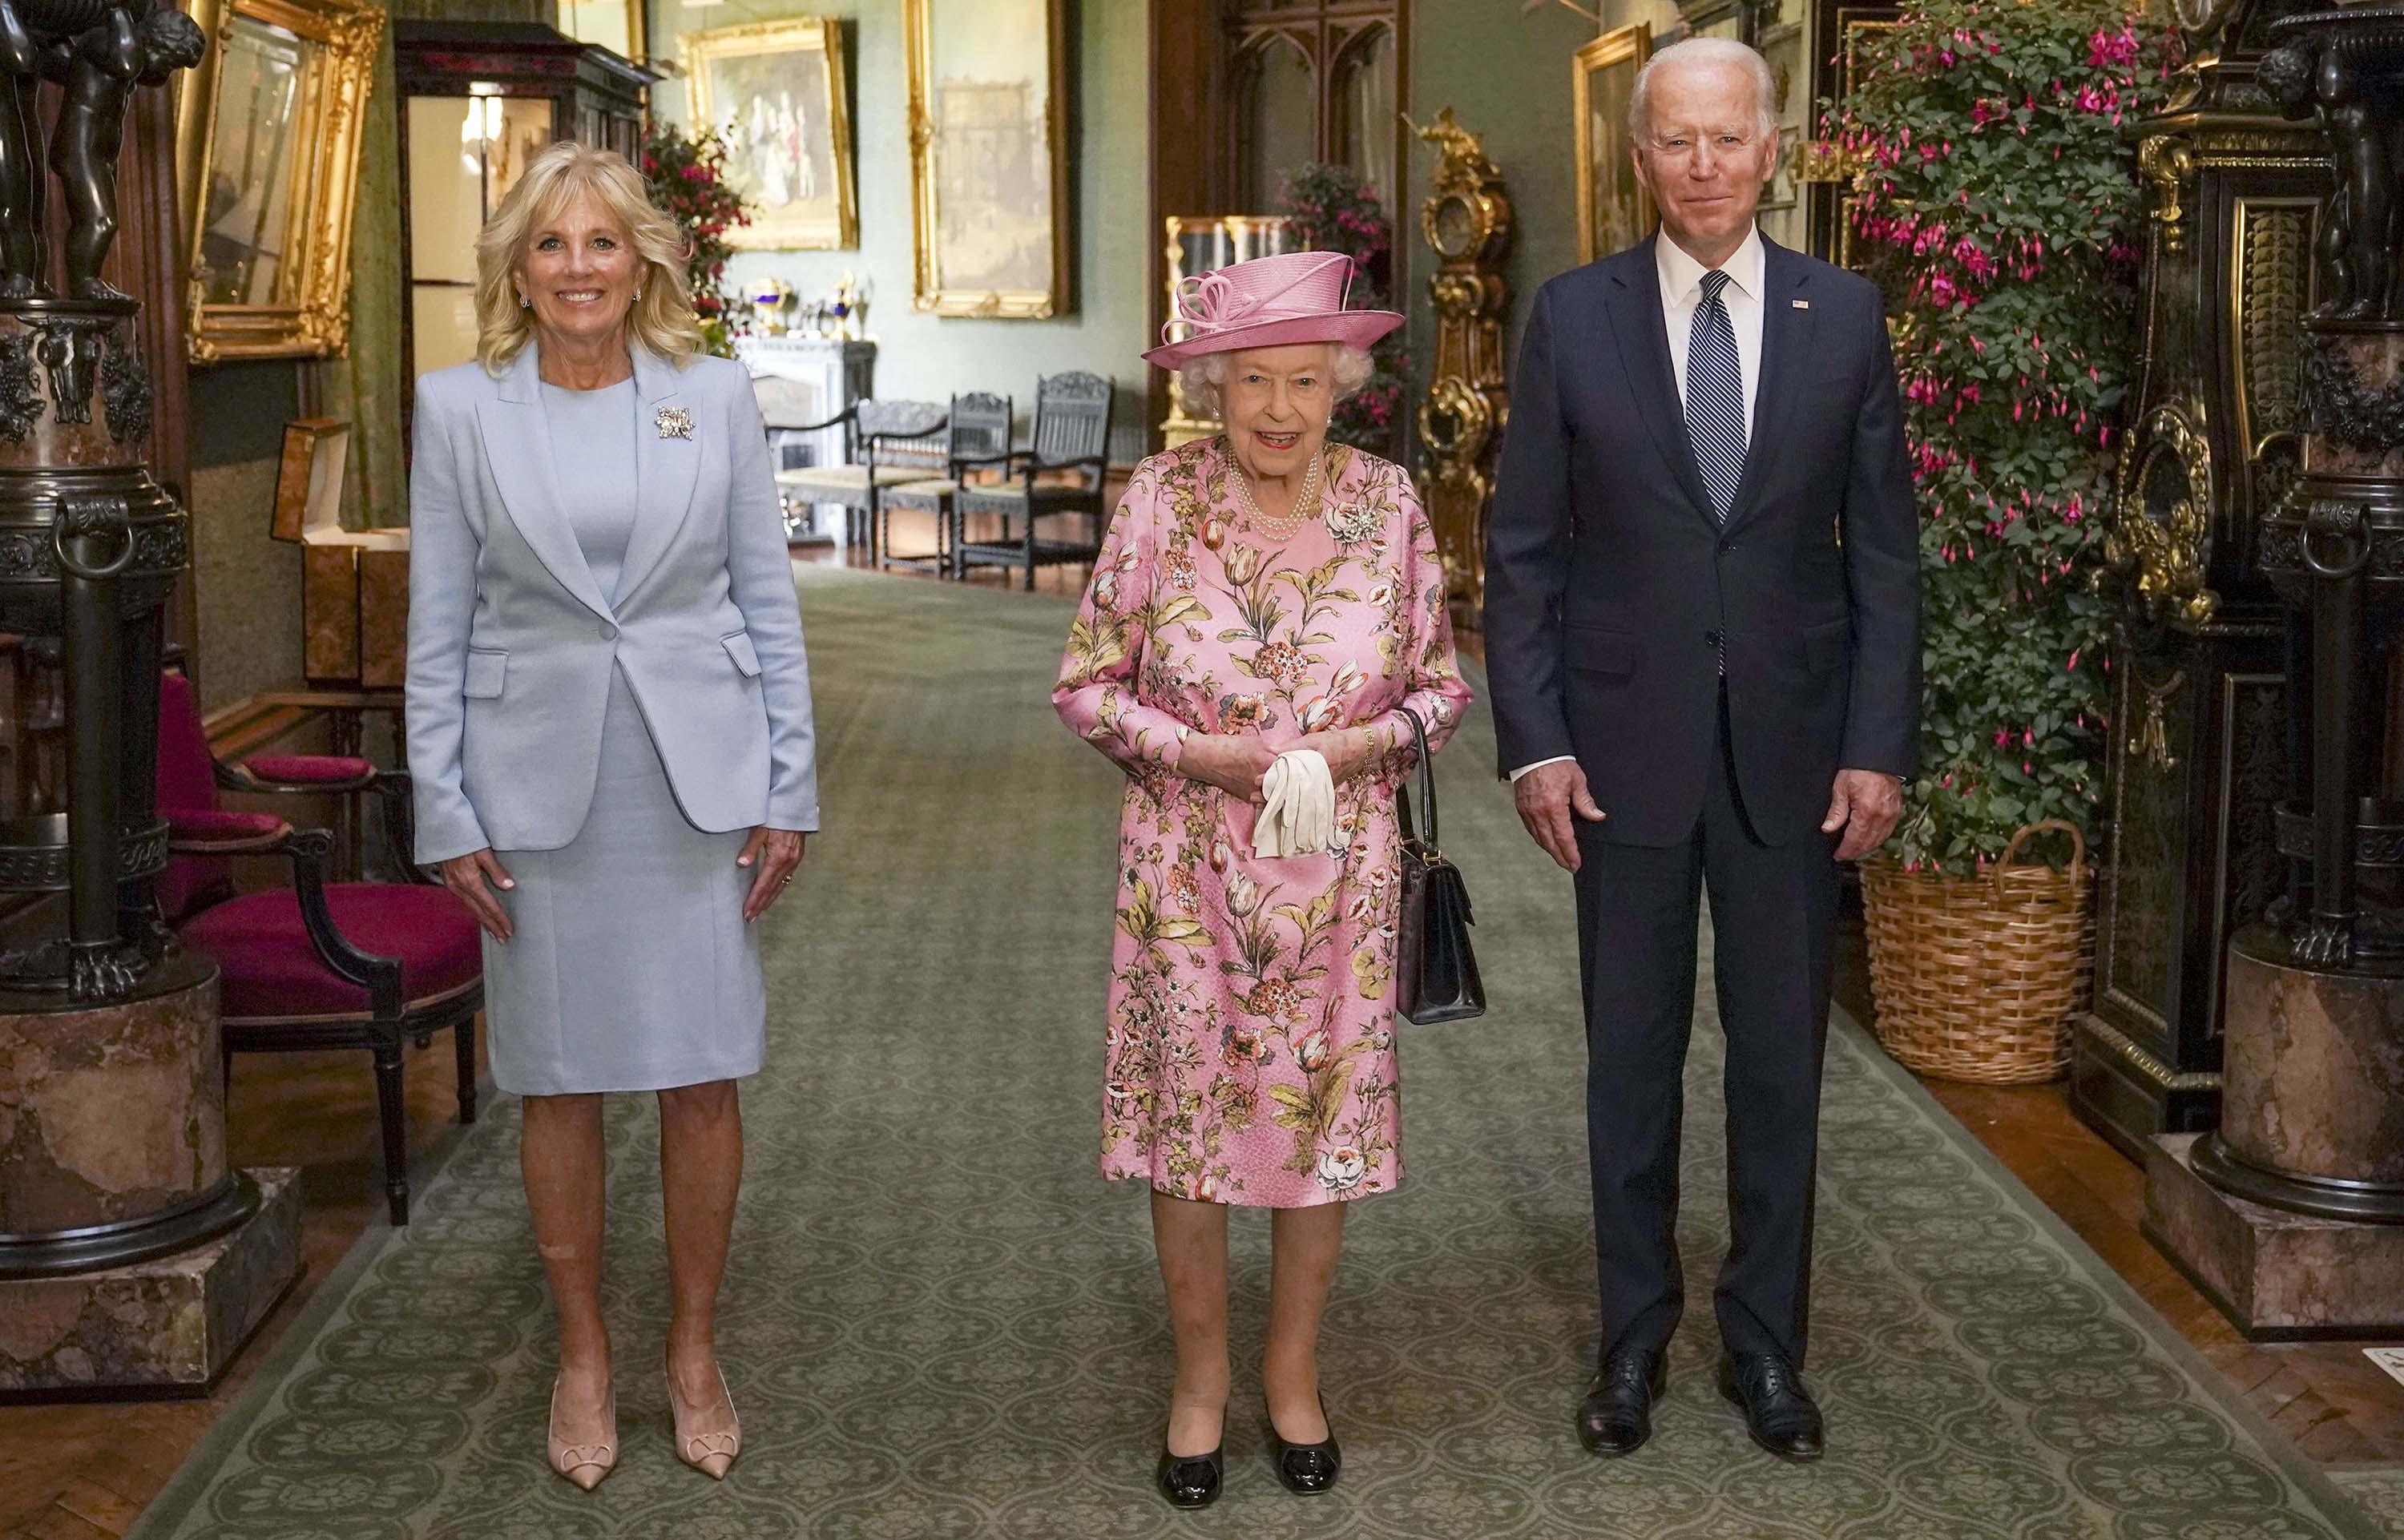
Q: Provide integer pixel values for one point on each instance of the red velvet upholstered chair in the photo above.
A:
(319, 964)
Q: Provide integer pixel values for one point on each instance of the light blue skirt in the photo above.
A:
(630, 968)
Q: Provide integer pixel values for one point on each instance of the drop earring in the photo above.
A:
(525, 303)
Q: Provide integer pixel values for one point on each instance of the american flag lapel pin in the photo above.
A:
(1802, 304)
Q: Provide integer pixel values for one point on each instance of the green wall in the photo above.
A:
(1506, 77)
(925, 355)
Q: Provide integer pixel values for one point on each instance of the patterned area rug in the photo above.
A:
(940, 1322)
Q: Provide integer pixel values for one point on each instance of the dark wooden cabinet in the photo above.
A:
(2199, 748)
(477, 100)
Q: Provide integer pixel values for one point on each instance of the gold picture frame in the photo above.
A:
(990, 164)
(755, 84)
(267, 162)
(1614, 211)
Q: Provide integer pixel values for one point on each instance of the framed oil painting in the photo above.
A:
(989, 164)
(1614, 210)
(1783, 45)
(775, 91)
(267, 153)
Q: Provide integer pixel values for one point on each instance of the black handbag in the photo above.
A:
(1436, 969)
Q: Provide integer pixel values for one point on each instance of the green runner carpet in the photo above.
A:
(940, 1321)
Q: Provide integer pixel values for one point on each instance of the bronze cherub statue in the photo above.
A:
(98, 53)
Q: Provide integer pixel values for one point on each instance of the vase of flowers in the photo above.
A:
(1995, 201)
(1327, 209)
(688, 178)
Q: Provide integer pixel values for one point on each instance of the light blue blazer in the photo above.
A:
(511, 642)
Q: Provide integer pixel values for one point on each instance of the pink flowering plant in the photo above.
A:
(1997, 204)
(1327, 209)
(688, 180)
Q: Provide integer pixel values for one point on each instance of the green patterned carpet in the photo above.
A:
(940, 1322)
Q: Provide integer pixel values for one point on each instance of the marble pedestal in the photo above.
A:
(168, 1326)
(2278, 1276)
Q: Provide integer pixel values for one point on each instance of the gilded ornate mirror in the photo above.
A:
(267, 150)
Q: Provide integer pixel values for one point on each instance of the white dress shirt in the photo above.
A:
(1682, 291)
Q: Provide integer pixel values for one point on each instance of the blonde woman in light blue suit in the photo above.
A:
(609, 732)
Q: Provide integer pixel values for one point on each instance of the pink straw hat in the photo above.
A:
(1268, 303)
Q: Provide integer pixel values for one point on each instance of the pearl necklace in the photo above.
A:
(1305, 503)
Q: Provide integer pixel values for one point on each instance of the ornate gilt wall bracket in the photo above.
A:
(2162, 521)
(1467, 220)
(2168, 164)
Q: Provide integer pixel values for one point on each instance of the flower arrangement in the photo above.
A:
(1996, 204)
(1328, 209)
(688, 180)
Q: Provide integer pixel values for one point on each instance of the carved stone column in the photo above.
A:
(2291, 1214)
(1468, 223)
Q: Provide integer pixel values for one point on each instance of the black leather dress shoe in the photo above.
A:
(1778, 1411)
(1305, 1468)
(1191, 1480)
(1617, 1415)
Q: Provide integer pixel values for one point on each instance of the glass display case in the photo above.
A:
(477, 100)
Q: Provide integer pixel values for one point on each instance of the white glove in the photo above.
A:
(1297, 815)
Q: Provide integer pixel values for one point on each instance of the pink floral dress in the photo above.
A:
(1250, 1056)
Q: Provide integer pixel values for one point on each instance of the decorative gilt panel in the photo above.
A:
(2272, 243)
(266, 156)
(2161, 519)
(1467, 221)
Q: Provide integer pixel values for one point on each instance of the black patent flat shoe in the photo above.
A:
(1191, 1480)
(1309, 1469)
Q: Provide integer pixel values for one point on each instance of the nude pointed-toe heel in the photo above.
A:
(586, 1464)
(709, 1451)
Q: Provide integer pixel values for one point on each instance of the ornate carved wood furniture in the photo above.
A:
(319, 964)
(2198, 750)
(884, 444)
(2291, 1213)
(1059, 475)
(1468, 223)
(477, 100)
(977, 434)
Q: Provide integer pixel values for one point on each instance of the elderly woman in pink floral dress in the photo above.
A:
(1258, 593)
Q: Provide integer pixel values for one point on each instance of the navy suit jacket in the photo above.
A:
(1610, 589)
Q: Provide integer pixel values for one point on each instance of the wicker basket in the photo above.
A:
(1975, 978)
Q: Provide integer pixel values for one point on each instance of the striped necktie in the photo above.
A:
(1715, 397)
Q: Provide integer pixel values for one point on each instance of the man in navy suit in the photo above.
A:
(1703, 628)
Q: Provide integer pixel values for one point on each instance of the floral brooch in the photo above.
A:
(674, 422)
(1352, 523)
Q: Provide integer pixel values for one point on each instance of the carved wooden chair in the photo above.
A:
(319, 964)
(978, 436)
(886, 444)
(1059, 474)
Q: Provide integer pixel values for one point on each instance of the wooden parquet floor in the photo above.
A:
(80, 1473)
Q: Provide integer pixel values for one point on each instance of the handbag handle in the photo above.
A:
(1427, 789)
